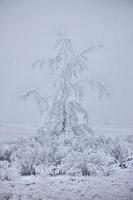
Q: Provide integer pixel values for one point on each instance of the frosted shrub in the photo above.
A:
(24, 157)
(27, 155)
(27, 168)
(4, 170)
(86, 163)
(130, 139)
(6, 196)
(7, 171)
(55, 170)
(86, 155)
(26, 163)
(5, 152)
(120, 151)
(130, 145)
(7, 168)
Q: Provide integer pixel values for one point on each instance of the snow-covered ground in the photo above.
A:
(11, 132)
(113, 130)
(118, 187)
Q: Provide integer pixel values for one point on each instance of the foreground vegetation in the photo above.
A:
(76, 155)
(43, 168)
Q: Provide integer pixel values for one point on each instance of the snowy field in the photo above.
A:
(118, 186)
(113, 130)
(11, 132)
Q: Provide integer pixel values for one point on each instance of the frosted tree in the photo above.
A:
(63, 110)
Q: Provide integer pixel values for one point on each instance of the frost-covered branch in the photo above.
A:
(102, 89)
(42, 103)
(90, 49)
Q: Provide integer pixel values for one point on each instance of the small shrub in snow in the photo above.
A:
(7, 171)
(55, 170)
(27, 155)
(130, 139)
(120, 151)
(5, 153)
(4, 170)
(26, 163)
(27, 169)
(6, 196)
(86, 163)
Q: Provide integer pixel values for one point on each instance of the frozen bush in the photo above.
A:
(6, 196)
(130, 139)
(26, 163)
(27, 169)
(55, 170)
(50, 170)
(7, 171)
(86, 163)
(120, 151)
(27, 155)
(4, 170)
(5, 152)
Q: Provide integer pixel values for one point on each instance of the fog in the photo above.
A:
(28, 31)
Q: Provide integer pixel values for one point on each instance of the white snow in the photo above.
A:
(64, 187)
(118, 187)
(11, 132)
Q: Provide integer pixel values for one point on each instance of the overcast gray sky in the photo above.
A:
(28, 31)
